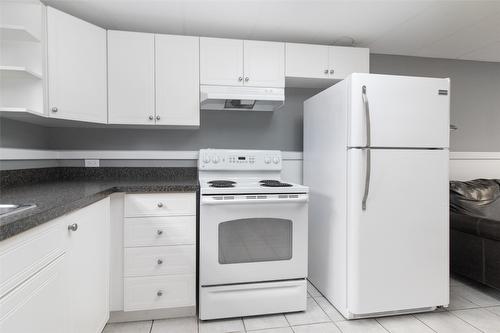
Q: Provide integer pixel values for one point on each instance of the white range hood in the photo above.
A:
(241, 98)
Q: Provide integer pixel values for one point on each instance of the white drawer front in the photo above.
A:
(158, 231)
(160, 260)
(23, 255)
(159, 292)
(160, 204)
(39, 304)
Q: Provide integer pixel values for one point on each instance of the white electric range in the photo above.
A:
(253, 235)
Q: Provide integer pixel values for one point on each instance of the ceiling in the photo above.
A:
(442, 29)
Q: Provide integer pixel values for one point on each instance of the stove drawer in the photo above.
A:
(159, 292)
(160, 204)
(159, 231)
(252, 299)
(160, 260)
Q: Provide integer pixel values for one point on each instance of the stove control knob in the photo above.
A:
(206, 159)
(267, 160)
(215, 159)
(276, 160)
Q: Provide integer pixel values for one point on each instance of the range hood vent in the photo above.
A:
(241, 98)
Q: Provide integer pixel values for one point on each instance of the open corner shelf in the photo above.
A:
(17, 33)
(18, 72)
(4, 109)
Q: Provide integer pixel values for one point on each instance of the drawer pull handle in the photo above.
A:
(160, 204)
(160, 261)
(73, 227)
(159, 232)
(159, 293)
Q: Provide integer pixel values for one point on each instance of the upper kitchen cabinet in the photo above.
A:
(232, 62)
(177, 80)
(307, 61)
(344, 61)
(76, 68)
(264, 64)
(21, 58)
(131, 78)
(309, 65)
(221, 61)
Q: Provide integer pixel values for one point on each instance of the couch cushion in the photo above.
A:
(478, 197)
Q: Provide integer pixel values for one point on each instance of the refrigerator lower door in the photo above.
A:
(397, 250)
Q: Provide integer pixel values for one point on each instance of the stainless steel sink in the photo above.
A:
(7, 209)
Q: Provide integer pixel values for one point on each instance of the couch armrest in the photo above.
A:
(464, 223)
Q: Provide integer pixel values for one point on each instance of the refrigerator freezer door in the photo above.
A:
(404, 111)
(397, 250)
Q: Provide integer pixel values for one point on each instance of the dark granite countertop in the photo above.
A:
(68, 189)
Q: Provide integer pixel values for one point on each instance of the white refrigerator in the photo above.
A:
(376, 162)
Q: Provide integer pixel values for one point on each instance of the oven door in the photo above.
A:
(252, 238)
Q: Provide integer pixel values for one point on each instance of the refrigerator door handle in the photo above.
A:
(367, 116)
(367, 178)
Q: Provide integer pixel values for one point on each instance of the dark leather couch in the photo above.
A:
(475, 230)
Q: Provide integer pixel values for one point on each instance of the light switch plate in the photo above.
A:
(92, 163)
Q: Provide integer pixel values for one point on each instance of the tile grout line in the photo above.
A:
(244, 326)
(151, 328)
(383, 327)
(465, 321)
(423, 323)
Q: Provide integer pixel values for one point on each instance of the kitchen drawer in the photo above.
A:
(159, 292)
(158, 231)
(39, 304)
(25, 254)
(160, 204)
(160, 260)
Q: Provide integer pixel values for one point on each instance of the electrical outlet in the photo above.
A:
(92, 163)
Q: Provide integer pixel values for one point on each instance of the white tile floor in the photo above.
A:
(473, 309)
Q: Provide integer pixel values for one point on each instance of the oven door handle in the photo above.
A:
(238, 200)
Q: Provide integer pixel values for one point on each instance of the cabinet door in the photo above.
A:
(344, 61)
(177, 80)
(221, 61)
(264, 64)
(307, 61)
(39, 304)
(131, 77)
(76, 68)
(88, 267)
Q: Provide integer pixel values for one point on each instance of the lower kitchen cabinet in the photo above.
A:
(159, 254)
(40, 304)
(88, 267)
(63, 287)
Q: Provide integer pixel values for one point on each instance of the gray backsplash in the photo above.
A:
(475, 109)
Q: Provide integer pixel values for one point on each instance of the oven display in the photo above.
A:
(241, 158)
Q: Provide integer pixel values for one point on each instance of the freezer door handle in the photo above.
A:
(367, 177)
(367, 116)
(367, 148)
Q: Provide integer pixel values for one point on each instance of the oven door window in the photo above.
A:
(255, 240)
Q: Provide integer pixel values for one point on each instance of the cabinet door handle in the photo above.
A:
(240, 78)
(332, 71)
(326, 71)
(157, 117)
(247, 79)
(160, 204)
(151, 117)
(159, 262)
(159, 232)
(159, 293)
(73, 227)
(54, 109)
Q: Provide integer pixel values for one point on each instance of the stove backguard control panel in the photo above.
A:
(225, 159)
